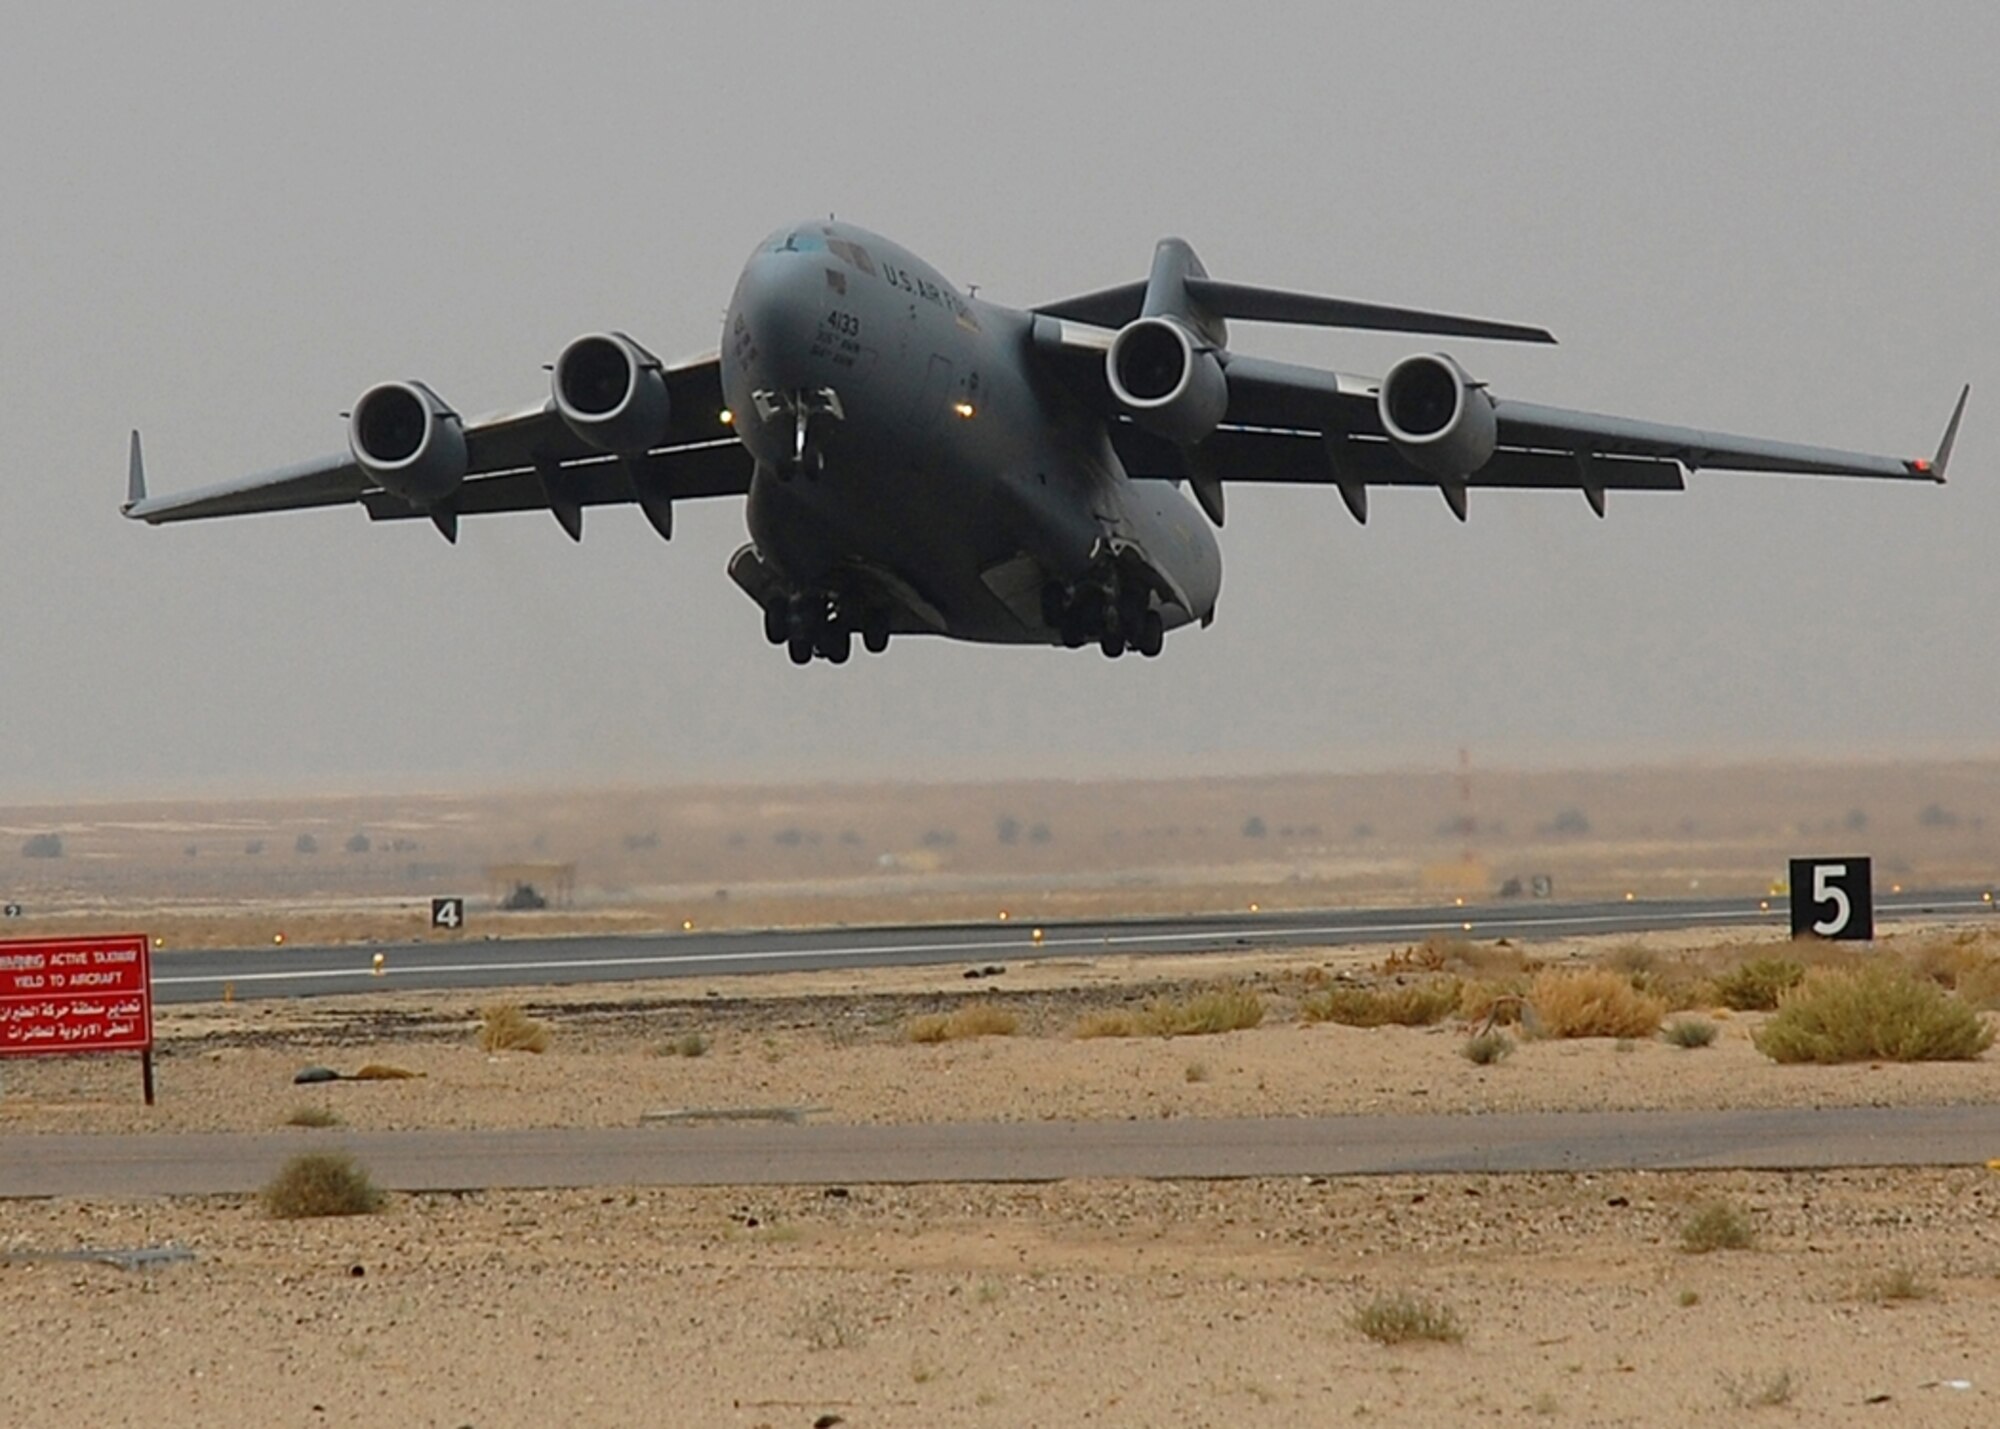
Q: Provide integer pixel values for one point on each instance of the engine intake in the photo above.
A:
(1170, 382)
(609, 391)
(1437, 417)
(405, 437)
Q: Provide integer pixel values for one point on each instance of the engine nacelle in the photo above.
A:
(405, 437)
(1171, 383)
(610, 392)
(1437, 417)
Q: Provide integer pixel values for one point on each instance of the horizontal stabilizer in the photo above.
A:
(1114, 307)
(1270, 305)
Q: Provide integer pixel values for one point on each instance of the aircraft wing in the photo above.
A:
(1290, 423)
(523, 460)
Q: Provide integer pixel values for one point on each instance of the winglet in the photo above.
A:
(1934, 468)
(135, 477)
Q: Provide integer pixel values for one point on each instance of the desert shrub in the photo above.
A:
(1899, 1284)
(1495, 1002)
(1690, 1032)
(1944, 960)
(978, 1019)
(1487, 1048)
(1591, 1002)
(1461, 956)
(503, 1027)
(1980, 986)
(321, 1183)
(688, 1044)
(383, 1072)
(1757, 985)
(1401, 1318)
(1221, 1009)
(313, 1116)
(1196, 1072)
(1416, 1004)
(1717, 1225)
(1881, 1012)
(1111, 1022)
(1758, 1391)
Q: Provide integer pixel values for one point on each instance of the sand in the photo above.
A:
(1078, 1303)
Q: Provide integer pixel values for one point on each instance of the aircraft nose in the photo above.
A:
(778, 307)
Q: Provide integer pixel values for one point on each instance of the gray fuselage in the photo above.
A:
(906, 437)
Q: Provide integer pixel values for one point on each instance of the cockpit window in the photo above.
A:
(852, 253)
(795, 240)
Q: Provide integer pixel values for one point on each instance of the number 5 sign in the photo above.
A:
(1833, 898)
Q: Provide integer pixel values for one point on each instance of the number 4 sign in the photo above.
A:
(1833, 898)
(447, 912)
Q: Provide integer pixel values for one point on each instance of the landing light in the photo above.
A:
(1003, 915)
(687, 925)
(277, 939)
(964, 409)
(1255, 909)
(1628, 897)
(1036, 937)
(726, 417)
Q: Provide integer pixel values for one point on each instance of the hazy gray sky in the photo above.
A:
(219, 223)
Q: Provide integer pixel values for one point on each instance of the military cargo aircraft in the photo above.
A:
(917, 460)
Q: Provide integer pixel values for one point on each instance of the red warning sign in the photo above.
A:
(76, 995)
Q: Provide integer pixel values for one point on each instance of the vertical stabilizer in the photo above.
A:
(1174, 262)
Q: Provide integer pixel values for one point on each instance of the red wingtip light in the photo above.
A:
(1921, 466)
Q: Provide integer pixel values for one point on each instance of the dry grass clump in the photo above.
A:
(1592, 1002)
(503, 1027)
(383, 1072)
(975, 1019)
(313, 1116)
(1487, 1048)
(1759, 1391)
(688, 1044)
(1877, 1013)
(1963, 962)
(1416, 1004)
(1493, 1003)
(321, 1183)
(1717, 1225)
(1460, 956)
(1403, 1318)
(1110, 1022)
(1221, 1009)
(1689, 1033)
(1893, 1286)
(1756, 986)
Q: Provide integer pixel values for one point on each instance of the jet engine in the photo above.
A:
(610, 392)
(1171, 383)
(405, 437)
(1437, 417)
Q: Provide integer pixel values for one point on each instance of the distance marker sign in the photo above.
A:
(1833, 898)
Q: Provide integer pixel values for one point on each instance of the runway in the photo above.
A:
(1787, 1139)
(197, 976)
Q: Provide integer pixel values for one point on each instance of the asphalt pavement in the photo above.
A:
(764, 1155)
(200, 976)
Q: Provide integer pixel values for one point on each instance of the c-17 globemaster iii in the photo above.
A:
(918, 460)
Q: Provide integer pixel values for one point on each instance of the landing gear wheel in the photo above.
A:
(875, 631)
(1075, 633)
(836, 643)
(801, 649)
(1152, 637)
(777, 623)
(1112, 644)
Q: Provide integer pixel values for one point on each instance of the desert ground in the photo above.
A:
(1861, 1297)
(1865, 1296)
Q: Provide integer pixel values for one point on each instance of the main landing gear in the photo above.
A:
(1116, 617)
(820, 624)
